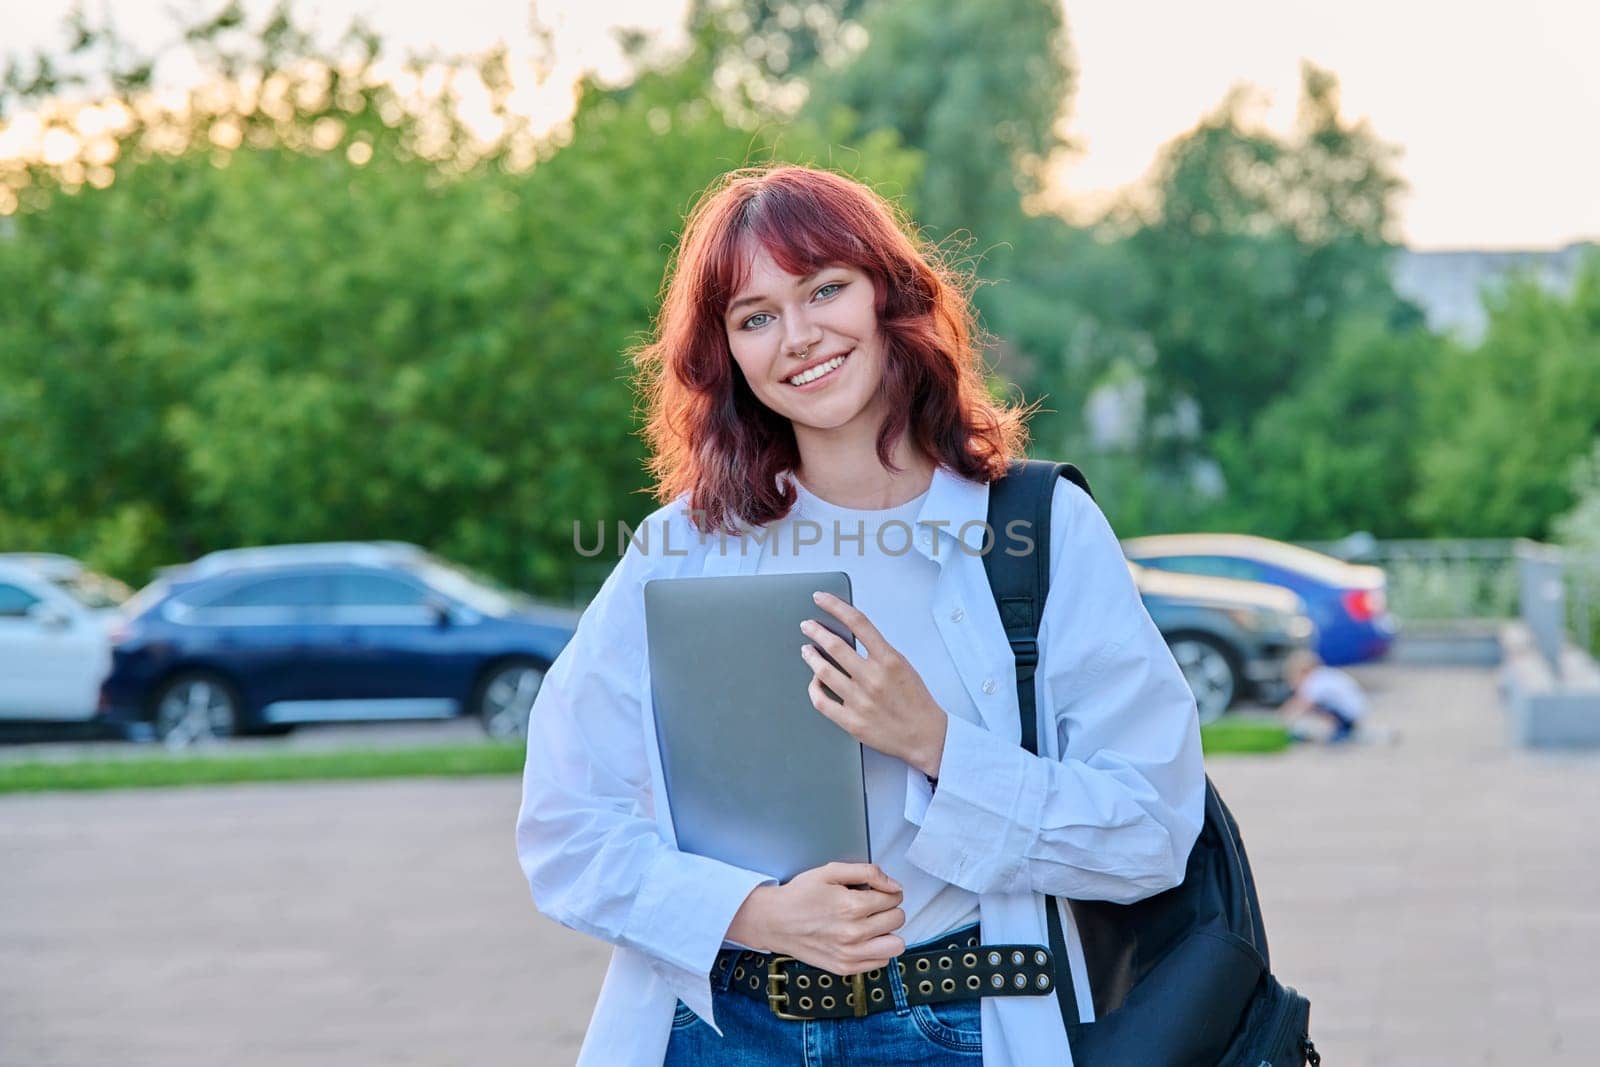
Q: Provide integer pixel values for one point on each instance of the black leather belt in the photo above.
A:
(958, 969)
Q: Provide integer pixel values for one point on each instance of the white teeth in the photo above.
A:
(816, 372)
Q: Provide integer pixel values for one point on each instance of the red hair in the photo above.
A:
(708, 433)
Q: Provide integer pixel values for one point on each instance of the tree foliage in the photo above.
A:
(1508, 418)
(324, 331)
(1257, 246)
(1337, 454)
(979, 89)
(307, 300)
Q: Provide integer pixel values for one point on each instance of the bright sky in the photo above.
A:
(1496, 103)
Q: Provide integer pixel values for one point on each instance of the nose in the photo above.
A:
(801, 335)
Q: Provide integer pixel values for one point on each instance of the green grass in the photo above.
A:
(1230, 734)
(161, 771)
(1240, 733)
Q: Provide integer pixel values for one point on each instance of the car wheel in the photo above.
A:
(1209, 670)
(505, 697)
(195, 708)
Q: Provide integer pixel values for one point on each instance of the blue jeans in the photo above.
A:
(928, 1035)
(1343, 726)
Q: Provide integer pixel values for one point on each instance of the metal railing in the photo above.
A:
(1439, 583)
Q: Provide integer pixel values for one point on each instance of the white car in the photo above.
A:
(55, 646)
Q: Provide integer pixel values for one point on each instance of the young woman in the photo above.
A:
(813, 367)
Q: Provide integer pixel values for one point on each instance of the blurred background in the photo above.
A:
(315, 322)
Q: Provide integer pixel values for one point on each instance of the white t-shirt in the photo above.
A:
(892, 585)
(1334, 689)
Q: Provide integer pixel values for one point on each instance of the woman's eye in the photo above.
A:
(751, 323)
(829, 289)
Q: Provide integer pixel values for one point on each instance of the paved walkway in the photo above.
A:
(1438, 900)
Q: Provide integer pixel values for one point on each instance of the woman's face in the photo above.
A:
(823, 328)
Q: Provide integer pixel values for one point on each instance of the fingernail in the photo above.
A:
(818, 595)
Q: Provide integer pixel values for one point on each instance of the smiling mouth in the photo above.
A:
(817, 373)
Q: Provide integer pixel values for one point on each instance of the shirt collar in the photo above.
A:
(962, 504)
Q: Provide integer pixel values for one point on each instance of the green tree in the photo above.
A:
(979, 89)
(1580, 527)
(304, 311)
(776, 41)
(1505, 421)
(1339, 453)
(1257, 246)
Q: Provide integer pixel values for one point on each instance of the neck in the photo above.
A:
(846, 471)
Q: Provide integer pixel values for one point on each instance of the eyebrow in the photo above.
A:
(743, 300)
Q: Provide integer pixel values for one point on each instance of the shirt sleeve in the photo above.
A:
(1112, 813)
(587, 837)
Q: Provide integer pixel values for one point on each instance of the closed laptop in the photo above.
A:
(755, 775)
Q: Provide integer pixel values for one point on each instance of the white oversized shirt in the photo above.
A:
(894, 586)
(1108, 810)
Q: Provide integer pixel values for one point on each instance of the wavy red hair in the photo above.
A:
(708, 433)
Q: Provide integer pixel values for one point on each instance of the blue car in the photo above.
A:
(259, 640)
(1347, 602)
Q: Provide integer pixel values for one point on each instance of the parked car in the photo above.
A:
(1230, 638)
(54, 648)
(1347, 601)
(259, 640)
(99, 592)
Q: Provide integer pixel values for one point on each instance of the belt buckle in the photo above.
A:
(778, 999)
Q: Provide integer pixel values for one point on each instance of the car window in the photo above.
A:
(476, 590)
(1210, 566)
(15, 601)
(369, 589)
(289, 591)
(94, 590)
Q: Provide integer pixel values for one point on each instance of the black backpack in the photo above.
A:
(1180, 979)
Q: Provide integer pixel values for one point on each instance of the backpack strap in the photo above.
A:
(1020, 583)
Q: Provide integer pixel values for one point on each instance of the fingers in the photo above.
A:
(824, 673)
(867, 874)
(831, 643)
(871, 955)
(867, 902)
(855, 619)
(884, 922)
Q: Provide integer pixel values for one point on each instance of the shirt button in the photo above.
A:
(988, 687)
(957, 615)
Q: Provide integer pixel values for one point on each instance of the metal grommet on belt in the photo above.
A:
(944, 973)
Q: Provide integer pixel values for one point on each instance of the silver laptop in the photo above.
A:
(755, 775)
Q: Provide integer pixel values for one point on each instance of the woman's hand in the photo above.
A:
(882, 699)
(817, 918)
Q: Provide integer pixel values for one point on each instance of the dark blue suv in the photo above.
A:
(257, 640)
